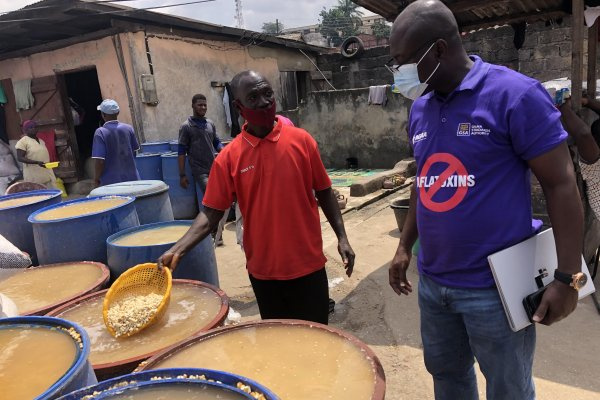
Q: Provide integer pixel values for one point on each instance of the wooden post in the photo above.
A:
(577, 56)
(592, 58)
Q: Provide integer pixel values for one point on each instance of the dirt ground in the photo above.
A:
(567, 363)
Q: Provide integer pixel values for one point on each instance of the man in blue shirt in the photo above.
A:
(476, 136)
(114, 148)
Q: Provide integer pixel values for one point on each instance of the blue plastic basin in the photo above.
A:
(149, 166)
(80, 374)
(83, 237)
(151, 198)
(155, 147)
(167, 376)
(13, 220)
(183, 201)
(198, 264)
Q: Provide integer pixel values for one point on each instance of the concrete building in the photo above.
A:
(151, 64)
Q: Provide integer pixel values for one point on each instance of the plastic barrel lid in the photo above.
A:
(132, 188)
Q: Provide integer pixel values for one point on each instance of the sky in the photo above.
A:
(291, 13)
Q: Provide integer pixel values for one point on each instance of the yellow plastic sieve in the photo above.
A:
(140, 280)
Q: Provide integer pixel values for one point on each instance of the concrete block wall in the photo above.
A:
(545, 55)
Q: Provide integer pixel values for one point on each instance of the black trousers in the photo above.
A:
(305, 298)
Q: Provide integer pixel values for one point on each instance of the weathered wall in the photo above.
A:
(186, 66)
(345, 125)
(545, 55)
(99, 53)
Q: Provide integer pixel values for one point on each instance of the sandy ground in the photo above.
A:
(567, 364)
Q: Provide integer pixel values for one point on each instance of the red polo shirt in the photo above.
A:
(273, 179)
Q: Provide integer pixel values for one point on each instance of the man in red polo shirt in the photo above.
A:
(273, 169)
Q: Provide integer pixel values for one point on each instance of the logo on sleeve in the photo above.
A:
(454, 181)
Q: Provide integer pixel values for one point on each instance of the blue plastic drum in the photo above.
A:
(183, 201)
(13, 219)
(149, 166)
(199, 263)
(80, 374)
(151, 198)
(83, 236)
(171, 376)
(174, 145)
(155, 147)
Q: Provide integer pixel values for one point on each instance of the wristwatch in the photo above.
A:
(576, 281)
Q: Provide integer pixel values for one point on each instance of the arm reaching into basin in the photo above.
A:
(205, 222)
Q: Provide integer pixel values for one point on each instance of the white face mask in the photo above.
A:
(406, 78)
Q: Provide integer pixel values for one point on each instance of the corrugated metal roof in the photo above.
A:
(476, 14)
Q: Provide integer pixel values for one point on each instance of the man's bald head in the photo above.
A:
(245, 79)
(426, 20)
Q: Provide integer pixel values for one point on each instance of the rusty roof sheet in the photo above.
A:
(477, 14)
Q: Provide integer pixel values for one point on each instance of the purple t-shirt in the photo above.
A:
(473, 180)
(115, 143)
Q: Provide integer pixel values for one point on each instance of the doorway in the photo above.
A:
(84, 96)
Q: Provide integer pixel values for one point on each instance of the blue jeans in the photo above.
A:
(458, 325)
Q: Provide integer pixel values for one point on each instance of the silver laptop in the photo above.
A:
(521, 269)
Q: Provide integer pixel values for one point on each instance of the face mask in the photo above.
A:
(259, 117)
(406, 78)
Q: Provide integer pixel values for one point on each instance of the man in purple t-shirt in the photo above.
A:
(476, 137)
(114, 148)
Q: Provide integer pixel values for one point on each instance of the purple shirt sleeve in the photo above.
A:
(134, 143)
(98, 146)
(534, 123)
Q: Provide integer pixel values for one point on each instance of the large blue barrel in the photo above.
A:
(13, 220)
(80, 374)
(155, 147)
(184, 201)
(82, 237)
(198, 264)
(174, 146)
(149, 166)
(151, 198)
(171, 376)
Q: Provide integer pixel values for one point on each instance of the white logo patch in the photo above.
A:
(420, 136)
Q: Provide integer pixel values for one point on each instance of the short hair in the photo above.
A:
(235, 82)
(596, 131)
(197, 97)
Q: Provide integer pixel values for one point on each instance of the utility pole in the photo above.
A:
(239, 16)
(277, 26)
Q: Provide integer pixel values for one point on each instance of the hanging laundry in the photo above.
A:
(235, 118)
(378, 95)
(590, 14)
(226, 106)
(23, 97)
(3, 99)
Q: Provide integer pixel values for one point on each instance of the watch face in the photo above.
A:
(579, 280)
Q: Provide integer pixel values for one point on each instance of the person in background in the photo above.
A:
(273, 169)
(198, 140)
(587, 141)
(477, 136)
(114, 148)
(32, 152)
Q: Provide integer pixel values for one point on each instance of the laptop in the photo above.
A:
(524, 268)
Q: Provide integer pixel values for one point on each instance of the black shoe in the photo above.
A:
(331, 306)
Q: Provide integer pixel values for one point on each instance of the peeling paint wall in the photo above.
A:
(186, 66)
(345, 125)
(100, 53)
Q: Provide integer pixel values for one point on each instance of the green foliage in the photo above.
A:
(340, 22)
(272, 28)
(381, 30)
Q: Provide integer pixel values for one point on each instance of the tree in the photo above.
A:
(272, 28)
(381, 30)
(340, 22)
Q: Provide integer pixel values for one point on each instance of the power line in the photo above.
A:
(25, 9)
(129, 10)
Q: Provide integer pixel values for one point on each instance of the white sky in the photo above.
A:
(291, 13)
